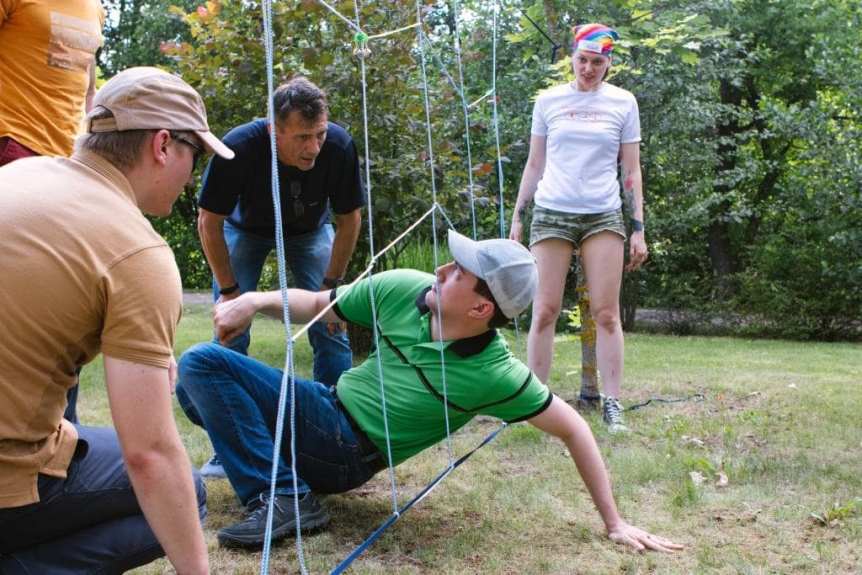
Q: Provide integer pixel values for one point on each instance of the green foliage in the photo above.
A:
(751, 114)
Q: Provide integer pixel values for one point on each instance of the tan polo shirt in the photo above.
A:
(81, 271)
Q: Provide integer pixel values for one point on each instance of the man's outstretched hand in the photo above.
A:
(641, 540)
(232, 317)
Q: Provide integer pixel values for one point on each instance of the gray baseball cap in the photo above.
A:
(507, 267)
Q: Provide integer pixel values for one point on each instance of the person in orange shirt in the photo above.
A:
(47, 73)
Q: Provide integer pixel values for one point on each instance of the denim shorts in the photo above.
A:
(572, 227)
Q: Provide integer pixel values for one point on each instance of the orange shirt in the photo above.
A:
(46, 50)
(81, 271)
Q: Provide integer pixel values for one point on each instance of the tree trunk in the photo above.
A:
(721, 255)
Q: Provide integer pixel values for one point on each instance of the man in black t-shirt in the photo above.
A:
(318, 171)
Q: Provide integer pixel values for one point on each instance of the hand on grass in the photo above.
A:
(232, 317)
(641, 540)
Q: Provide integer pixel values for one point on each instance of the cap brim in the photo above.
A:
(465, 252)
(215, 145)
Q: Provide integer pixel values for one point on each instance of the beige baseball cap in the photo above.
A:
(146, 98)
(507, 267)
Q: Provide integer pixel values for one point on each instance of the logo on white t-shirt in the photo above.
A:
(584, 115)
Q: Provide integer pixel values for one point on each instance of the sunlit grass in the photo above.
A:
(780, 420)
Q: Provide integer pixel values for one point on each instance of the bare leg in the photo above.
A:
(553, 257)
(602, 256)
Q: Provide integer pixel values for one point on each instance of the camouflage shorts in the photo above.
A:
(573, 227)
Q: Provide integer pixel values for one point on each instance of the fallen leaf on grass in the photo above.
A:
(696, 477)
(792, 386)
(721, 480)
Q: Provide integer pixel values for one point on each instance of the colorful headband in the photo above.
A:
(596, 38)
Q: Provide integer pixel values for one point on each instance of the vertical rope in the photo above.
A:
(420, 35)
(456, 12)
(361, 54)
(288, 375)
(497, 124)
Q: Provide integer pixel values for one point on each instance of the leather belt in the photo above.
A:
(371, 456)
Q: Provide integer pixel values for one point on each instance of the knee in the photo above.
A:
(607, 318)
(545, 315)
(196, 361)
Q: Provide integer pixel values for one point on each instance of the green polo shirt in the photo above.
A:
(482, 376)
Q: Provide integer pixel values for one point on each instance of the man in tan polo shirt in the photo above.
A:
(81, 272)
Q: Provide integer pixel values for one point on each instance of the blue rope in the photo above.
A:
(416, 499)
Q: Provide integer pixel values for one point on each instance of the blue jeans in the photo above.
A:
(235, 398)
(307, 257)
(89, 522)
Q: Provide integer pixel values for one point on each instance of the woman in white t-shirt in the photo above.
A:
(581, 133)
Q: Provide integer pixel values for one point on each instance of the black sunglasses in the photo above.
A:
(198, 151)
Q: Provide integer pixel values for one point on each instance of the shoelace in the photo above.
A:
(613, 410)
(259, 512)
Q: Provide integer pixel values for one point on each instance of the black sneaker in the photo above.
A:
(251, 531)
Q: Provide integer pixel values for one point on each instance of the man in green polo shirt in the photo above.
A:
(438, 347)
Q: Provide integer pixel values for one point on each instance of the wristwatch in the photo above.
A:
(637, 225)
(229, 289)
(332, 283)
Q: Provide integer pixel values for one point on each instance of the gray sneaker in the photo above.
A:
(251, 531)
(612, 414)
(213, 469)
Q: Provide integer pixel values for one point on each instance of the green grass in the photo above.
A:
(780, 419)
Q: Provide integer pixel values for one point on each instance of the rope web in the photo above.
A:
(361, 39)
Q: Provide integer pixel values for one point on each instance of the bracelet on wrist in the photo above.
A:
(637, 225)
(332, 283)
(229, 289)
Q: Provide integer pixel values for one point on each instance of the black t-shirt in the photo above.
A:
(241, 188)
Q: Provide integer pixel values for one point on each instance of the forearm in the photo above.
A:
(588, 459)
(211, 233)
(156, 461)
(162, 479)
(304, 305)
(346, 235)
(526, 191)
(633, 196)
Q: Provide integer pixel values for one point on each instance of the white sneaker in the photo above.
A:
(612, 414)
(213, 469)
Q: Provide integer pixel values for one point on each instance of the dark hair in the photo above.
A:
(299, 94)
(499, 319)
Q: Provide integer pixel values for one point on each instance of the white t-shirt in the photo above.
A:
(583, 133)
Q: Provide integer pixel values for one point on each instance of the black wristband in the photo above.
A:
(637, 225)
(331, 283)
(229, 289)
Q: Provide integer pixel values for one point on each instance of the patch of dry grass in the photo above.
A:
(780, 420)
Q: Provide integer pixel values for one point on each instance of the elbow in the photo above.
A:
(149, 463)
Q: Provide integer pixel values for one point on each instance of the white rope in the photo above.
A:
(288, 375)
(440, 333)
(392, 484)
(497, 127)
(343, 18)
(365, 272)
(480, 99)
(391, 32)
(457, 41)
